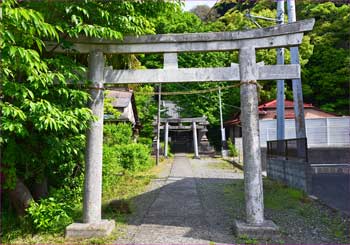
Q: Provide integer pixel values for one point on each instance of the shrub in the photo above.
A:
(50, 214)
(117, 134)
(145, 141)
(112, 166)
(134, 157)
(232, 148)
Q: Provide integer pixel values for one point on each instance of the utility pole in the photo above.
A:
(158, 124)
(223, 136)
(300, 130)
(280, 83)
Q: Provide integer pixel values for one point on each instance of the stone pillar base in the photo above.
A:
(89, 230)
(267, 230)
(196, 157)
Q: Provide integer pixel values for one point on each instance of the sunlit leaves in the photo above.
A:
(37, 103)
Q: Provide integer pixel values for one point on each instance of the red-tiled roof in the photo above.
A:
(287, 104)
(270, 105)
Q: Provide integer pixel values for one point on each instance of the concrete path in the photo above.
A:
(185, 207)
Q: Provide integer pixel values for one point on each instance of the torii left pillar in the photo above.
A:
(93, 225)
(255, 225)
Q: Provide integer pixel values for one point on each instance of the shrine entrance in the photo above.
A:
(186, 135)
(181, 141)
(248, 72)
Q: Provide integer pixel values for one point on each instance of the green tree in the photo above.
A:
(44, 119)
(326, 76)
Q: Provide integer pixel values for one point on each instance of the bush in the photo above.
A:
(111, 167)
(134, 157)
(162, 147)
(50, 214)
(117, 134)
(232, 148)
(145, 141)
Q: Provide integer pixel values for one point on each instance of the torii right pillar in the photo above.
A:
(255, 225)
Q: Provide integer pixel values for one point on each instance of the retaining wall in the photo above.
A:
(293, 173)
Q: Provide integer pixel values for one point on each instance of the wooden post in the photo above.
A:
(93, 155)
(250, 134)
(166, 138)
(280, 83)
(195, 141)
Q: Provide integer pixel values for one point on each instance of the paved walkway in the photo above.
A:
(184, 206)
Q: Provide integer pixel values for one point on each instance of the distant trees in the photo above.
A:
(324, 53)
(205, 13)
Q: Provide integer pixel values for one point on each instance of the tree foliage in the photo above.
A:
(326, 76)
(326, 44)
(44, 118)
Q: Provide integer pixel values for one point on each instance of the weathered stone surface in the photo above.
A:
(86, 230)
(94, 143)
(265, 230)
(268, 72)
(276, 36)
(250, 134)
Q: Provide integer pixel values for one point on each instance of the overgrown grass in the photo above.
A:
(278, 197)
(224, 165)
(16, 231)
(281, 199)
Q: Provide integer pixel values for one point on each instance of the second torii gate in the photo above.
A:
(247, 72)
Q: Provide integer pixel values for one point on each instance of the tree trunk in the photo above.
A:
(20, 197)
(40, 190)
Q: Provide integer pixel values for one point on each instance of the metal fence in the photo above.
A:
(290, 149)
(320, 132)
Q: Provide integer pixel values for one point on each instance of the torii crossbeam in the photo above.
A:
(247, 72)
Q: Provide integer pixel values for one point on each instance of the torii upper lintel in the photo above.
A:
(276, 36)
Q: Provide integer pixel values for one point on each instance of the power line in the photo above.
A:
(188, 92)
(217, 89)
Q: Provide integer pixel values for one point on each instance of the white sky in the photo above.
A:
(189, 4)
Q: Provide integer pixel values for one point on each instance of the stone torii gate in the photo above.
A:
(247, 72)
(200, 141)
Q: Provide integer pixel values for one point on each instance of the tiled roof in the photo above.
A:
(287, 104)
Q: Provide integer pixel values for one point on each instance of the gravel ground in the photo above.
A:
(195, 202)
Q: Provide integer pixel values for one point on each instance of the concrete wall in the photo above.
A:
(321, 155)
(326, 155)
(292, 173)
(331, 184)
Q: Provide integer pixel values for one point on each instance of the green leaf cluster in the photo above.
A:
(44, 103)
(121, 154)
(326, 76)
(43, 118)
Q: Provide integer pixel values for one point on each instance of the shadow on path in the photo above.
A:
(184, 210)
